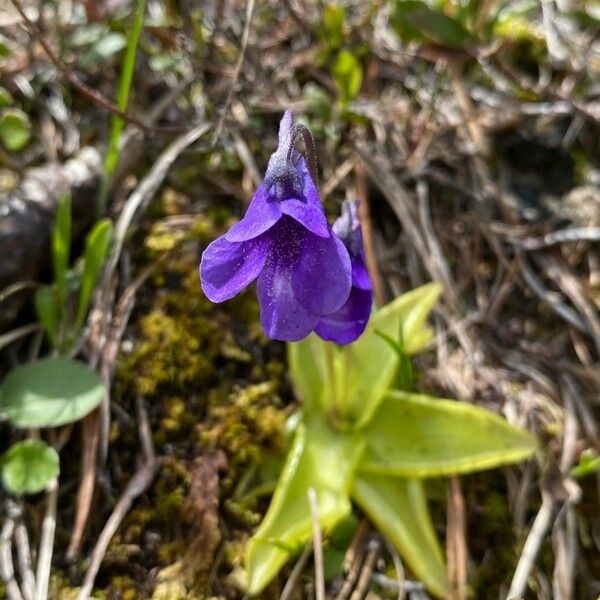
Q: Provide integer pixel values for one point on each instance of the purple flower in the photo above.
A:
(284, 241)
(346, 324)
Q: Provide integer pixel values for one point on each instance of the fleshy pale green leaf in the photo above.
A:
(359, 374)
(49, 393)
(411, 310)
(320, 458)
(370, 364)
(96, 247)
(398, 508)
(28, 467)
(15, 129)
(413, 435)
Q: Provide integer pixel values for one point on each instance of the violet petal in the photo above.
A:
(228, 267)
(308, 210)
(348, 323)
(360, 276)
(282, 316)
(262, 214)
(322, 276)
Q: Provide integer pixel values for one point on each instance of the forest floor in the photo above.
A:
(472, 139)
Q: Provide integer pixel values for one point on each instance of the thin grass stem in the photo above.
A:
(117, 123)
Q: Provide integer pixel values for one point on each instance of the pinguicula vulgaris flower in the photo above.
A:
(346, 324)
(303, 269)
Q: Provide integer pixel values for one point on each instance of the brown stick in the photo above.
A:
(136, 486)
(90, 435)
(456, 544)
(366, 572)
(366, 226)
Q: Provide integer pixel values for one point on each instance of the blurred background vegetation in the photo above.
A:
(470, 131)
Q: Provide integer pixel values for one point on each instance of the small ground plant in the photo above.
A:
(362, 434)
(43, 398)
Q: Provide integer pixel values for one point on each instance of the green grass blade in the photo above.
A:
(117, 124)
(96, 247)
(61, 255)
(46, 309)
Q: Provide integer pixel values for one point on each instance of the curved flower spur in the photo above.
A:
(303, 269)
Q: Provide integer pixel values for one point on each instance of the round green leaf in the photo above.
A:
(49, 393)
(15, 129)
(29, 466)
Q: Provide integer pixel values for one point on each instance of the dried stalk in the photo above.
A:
(7, 571)
(44, 563)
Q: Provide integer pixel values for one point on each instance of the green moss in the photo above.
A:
(61, 589)
(246, 424)
(210, 380)
(124, 588)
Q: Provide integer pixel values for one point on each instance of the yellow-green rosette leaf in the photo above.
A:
(414, 435)
(398, 508)
(320, 458)
(370, 363)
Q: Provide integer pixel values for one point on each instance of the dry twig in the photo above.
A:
(21, 538)
(44, 562)
(7, 571)
(290, 584)
(373, 549)
(136, 486)
(456, 542)
(532, 546)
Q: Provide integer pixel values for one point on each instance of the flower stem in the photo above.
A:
(310, 152)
